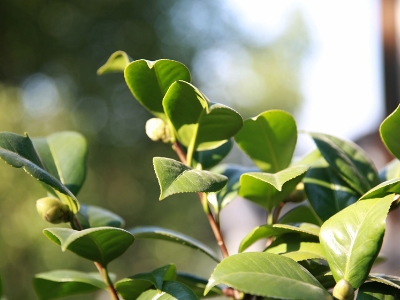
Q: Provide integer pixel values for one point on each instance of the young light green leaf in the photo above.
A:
(101, 244)
(159, 233)
(64, 155)
(390, 171)
(90, 216)
(64, 283)
(199, 124)
(389, 129)
(348, 160)
(174, 177)
(19, 152)
(377, 291)
(248, 273)
(116, 63)
(352, 238)
(327, 192)
(155, 295)
(385, 188)
(197, 285)
(269, 140)
(299, 214)
(150, 80)
(268, 190)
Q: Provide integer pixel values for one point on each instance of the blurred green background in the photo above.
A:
(49, 54)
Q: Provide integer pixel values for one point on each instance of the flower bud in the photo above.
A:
(53, 210)
(343, 290)
(157, 130)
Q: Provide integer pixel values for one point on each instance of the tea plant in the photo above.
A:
(322, 248)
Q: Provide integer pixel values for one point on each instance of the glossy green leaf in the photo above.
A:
(313, 159)
(327, 192)
(389, 130)
(248, 273)
(390, 171)
(385, 188)
(269, 140)
(64, 155)
(172, 290)
(174, 177)
(268, 190)
(19, 152)
(319, 268)
(101, 244)
(133, 286)
(267, 231)
(197, 285)
(377, 291)
(352, 238)
(348, 160)
(230, 191)
(150, 80)
(199, 124)
(155, 295)
(299, 214)
(393, 281)
(117, 62)
(159, 233)
(90, 216)
(210, 158)
(63, 283)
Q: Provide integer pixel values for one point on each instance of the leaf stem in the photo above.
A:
(104, 273)
(179, 151)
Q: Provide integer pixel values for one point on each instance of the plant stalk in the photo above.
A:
(104, 273)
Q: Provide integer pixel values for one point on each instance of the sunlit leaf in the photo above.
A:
(174, 177)
(197, 285)
(393, 281)
(352, 238)
(19, 152)
(377, 291)
(101, 244)
(268, 190)
(172, 290)
(248, 273)
(116, 63)
(299, 214)
(90, 216)
(389, 132)
(269, 140)
(385, 188)
(159, 233)
(63, 283)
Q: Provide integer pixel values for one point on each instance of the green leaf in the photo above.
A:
(199, 124)
(172, 290)
(101, 244)
(159, 233)
(377, 291)
(389, 129)
(230, 191)
(349, 161)
(19, 152)
(64, 155)
(327, 192)
(63, 283)
(174, 177)
(197, 285)
(320, 270)
(390, 171)
(299, 214)
(385, 188)
(1, 287)
(267, 231)
(210, 158)
(352, 238)
(269, 140)
(155, 295)
(116, 63)
(150, 80)
(90, 216)
(248, 273)
(133, 286)
(268, 190)
(393, 281)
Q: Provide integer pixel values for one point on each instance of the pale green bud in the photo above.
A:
(53, 210)
(343, 290)
(156, 130)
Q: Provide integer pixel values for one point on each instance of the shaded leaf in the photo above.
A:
(269, 139)
(174, 177)
(19, 152)
(348, 160)
(352, 238)
(248, 272)
(64, 155)
(101, 244)
(172, 290)
(327, 192)
(159, 233)
(390, 171)
(90, 216)
(116, 63)
(268, 190)
(150, 80)
(197, 285)
(389, 132)
(377, 291)
(63, 283)
(299, 214)
(391, 280)
(319, 268)
(210, 158)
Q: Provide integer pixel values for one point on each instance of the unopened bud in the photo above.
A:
(156, 130)
(343, 290)
(53, 210)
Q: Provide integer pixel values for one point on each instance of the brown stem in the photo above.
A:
(104, 273)
(276, 212)
(179, 151)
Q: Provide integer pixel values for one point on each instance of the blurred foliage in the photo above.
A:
(48, 60)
